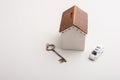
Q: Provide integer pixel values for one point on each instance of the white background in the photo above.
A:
(27, 25)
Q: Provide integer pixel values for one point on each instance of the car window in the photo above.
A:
(98, 47)
(94, 53)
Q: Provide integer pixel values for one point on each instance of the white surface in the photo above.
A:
(27, 25)
(72, 39)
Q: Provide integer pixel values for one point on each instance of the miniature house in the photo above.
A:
(73, 29)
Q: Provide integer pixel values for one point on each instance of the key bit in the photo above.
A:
(62, 60)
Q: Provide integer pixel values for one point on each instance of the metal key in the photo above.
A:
(51, 47)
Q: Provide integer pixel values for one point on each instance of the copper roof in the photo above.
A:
(74, 17)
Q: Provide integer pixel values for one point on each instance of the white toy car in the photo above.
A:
(96, 53)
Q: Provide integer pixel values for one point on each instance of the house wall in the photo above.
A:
(72, 39)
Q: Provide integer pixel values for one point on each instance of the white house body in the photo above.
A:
(72, 39)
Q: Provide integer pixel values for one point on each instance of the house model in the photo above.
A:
(73, 28)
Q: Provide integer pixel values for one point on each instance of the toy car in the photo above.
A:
(96, 53)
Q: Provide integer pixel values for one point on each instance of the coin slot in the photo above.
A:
(71, 15)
